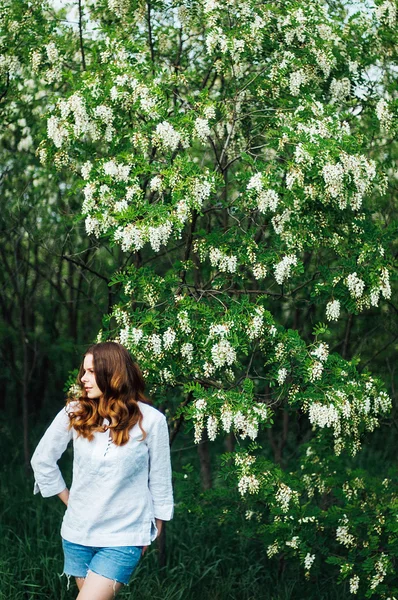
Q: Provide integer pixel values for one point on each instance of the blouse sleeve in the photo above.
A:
(48, 477)
(160, 484)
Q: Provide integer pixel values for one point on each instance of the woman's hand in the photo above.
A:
(64, 496)
(159, 525)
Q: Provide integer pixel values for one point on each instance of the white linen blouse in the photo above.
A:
(117, 492)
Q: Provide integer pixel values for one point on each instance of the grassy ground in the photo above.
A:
(203, 562)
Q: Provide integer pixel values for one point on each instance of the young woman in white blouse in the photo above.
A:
(121, 490)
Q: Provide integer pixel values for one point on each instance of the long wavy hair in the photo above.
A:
(121, 382)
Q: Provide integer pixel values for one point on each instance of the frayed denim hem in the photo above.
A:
(68, 576)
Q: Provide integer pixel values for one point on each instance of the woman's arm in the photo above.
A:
(160, 476)
(48, 477)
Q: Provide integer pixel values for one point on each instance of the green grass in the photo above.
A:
(203, 563)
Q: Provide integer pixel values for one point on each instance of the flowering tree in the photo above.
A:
(234, 151)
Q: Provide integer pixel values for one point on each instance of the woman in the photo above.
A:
(121, 491)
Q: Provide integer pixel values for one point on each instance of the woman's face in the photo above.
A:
(88, 379)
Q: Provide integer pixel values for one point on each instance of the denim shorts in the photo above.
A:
(113, 562)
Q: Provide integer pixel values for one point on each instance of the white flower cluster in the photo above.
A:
(36, 58)
(333, 175)
(294, 542)
(216, 38)
(340, 89)
(222, 261)
(86, 169)
(169, 337)
(359, 168)
(134, 92)
(100, 225)
(294, 177)
(256, 324)
(355, 285)
(56, 131)
(156, 184)
(354, 584)
(381, 570)
(187, 352)
(219, 329)
(343, 536)
(167, 135)
(200, 191)
(284, 495)
(202, 129)
(387, 12)
(75, 106)
(246, 425)
(323, 415)
(385, 287)
(248, 483)
(129, 237)
(121, 316)
(302, 156)
(256, 182)
(278, 221)
(183, 321)
(322, 352)
(223, 353)
(259, 271)
(159, 235)
(296, 80)
(227, 417)
(75, 390)
(283, 268)
(105, 114)
(333, 310)
(119, 172)
(282, 374)
(166, 376)
(384, 115)
(209, 112)
(199, 416)
(119, 7)
(212, 427)
(273, 549)
(155, 343)
(267, 200)
(308, 560)
(132, 237)
(362, 171)
(325, 60)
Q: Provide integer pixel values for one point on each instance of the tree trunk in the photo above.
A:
(205, 463)
(162, 547)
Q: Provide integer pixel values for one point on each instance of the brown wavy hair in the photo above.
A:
(121, 382)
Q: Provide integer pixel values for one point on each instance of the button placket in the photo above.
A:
(108, 443)
(109, 440)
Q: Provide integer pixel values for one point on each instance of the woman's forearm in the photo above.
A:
(159, 525)
(64, 496)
